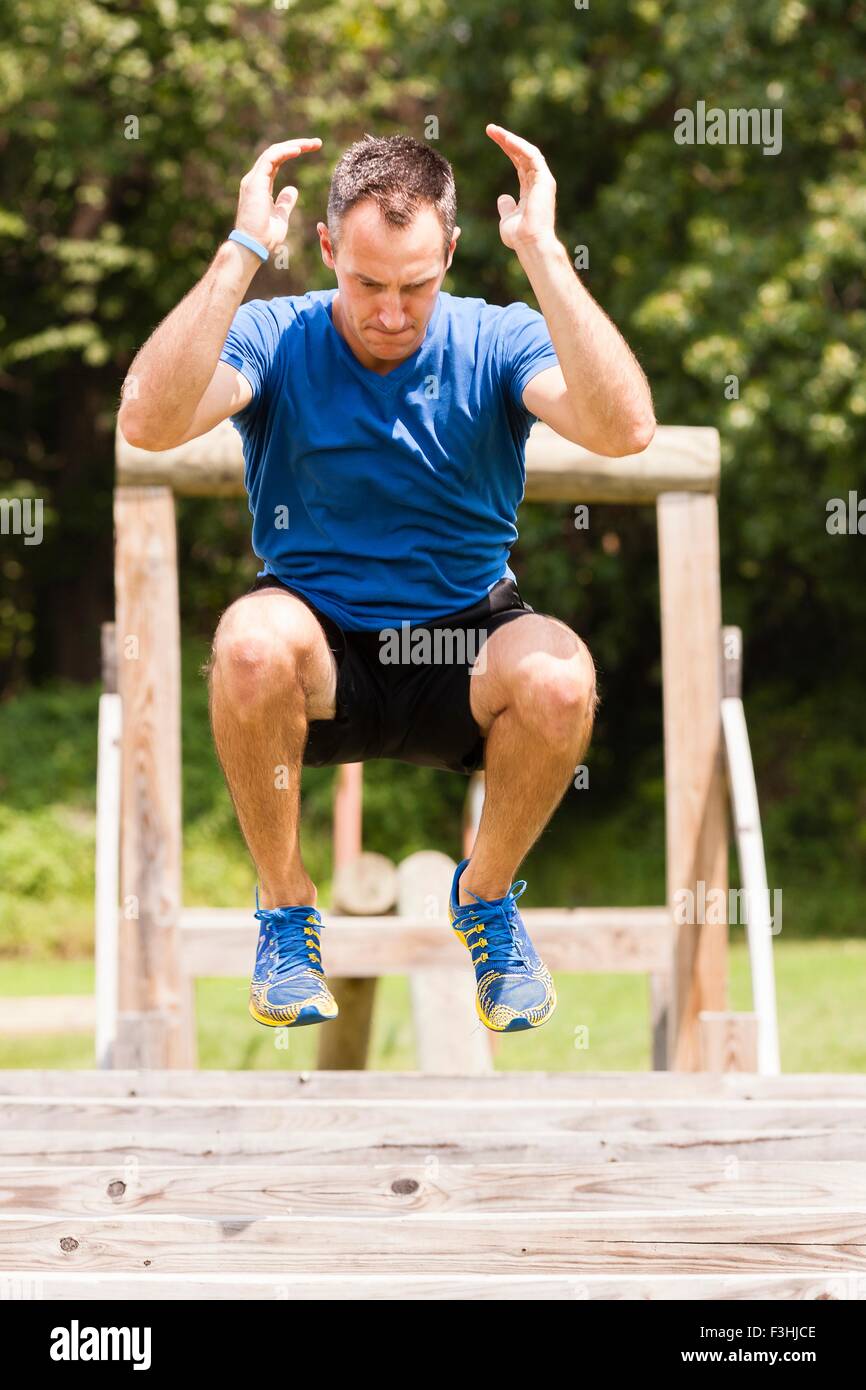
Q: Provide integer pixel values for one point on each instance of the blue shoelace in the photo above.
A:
(497, 929)
(285, 940)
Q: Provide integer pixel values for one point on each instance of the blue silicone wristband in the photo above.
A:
(250, 243)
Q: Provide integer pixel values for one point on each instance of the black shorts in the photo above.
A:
(407, 696)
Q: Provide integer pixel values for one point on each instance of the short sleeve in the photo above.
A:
(251, 344)
(525, 349)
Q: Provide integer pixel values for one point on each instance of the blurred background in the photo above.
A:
(125, 130)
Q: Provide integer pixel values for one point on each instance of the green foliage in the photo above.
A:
(125, 131)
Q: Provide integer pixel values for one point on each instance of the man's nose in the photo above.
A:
(391, 316)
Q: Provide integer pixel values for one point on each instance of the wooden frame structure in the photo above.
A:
(162, 947)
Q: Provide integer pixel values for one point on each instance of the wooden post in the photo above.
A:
(345, 1044)
(348, 813)
(449, 1035)
(696, 819)
(364, 887)
(148, 662)
(660, 1012)
(472, 808)
(729, 1042)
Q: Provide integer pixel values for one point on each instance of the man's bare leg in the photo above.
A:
(270, 672)
(534, 700)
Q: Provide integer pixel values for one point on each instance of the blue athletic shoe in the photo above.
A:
(288, 987)
(515, 988)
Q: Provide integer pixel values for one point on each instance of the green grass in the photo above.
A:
(601, 1022)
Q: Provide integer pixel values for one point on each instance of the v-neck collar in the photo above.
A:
(396, 375)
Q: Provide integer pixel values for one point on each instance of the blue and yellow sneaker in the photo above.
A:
(288, 987)
(515, 988)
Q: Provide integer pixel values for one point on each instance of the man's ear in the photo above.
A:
(325, 245)
(454, 239)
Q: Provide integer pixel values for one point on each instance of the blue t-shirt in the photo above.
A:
(386, 499)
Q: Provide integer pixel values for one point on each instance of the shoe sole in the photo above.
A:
(304, 1019)
(517, 1025)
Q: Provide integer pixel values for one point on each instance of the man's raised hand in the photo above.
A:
(259, 214)
(532, 220)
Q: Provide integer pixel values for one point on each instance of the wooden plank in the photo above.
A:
(30, 1016)
(449, 1036)
(698, 1287)
(645, 1087)
(399, 1120)
(695, 800)
(218, 942)
(659, 1012)
(425, 1147)
(548, 1242)
(391, 1189)
(682, 458)
(148, 650)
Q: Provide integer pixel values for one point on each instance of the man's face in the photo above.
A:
(387, 281)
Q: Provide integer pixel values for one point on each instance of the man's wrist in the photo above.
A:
(540, 249)
(250, 243)
(237, 262)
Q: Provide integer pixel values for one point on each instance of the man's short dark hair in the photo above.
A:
(400, 174)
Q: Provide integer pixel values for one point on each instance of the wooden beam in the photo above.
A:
(695, 800)
(645, 1086)
(418, 1143)
(32, 1016)
(449, 1035)
(399, 1119)
(269, 1189)
(676, 1242)
(682, 458)
(148, 662)
(217, 942)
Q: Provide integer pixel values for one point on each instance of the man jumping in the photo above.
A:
(384, 425)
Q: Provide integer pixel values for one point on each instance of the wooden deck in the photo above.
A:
(331, 1185)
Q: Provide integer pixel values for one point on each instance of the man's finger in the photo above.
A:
(270, 159)
(516, 147)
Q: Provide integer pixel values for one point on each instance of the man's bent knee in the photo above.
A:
(273, 651)
(557, 698)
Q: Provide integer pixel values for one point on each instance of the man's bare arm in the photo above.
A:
(176, 387)
(598, 396)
